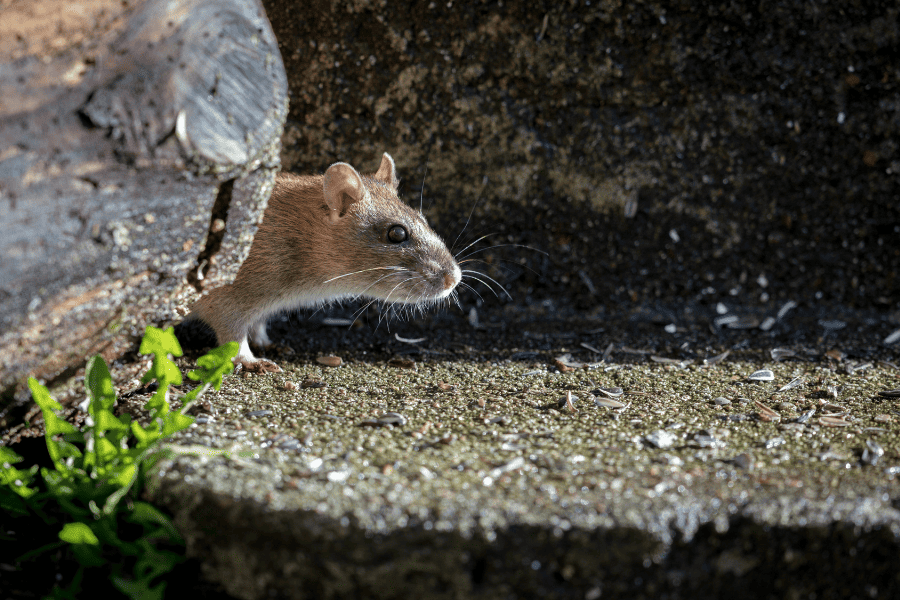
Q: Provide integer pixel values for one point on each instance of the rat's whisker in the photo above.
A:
(485, 284)
(473, 243)
(363, 271)
(422, 191)
(368, 287)
(358, 313)
(472, 274)
(499, 260)
(455, 298)
(461, 258)
(468, 219)
(474, 291)
(388, 297)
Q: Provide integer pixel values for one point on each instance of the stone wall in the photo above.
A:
(655, 150)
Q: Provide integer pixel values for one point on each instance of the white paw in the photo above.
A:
(259, 336)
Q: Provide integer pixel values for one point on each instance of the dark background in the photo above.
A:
(756, 141)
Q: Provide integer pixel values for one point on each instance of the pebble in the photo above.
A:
(775, 442)
(743, 461)
(402, 363)
(721, 401)
(806, 416)
(660, 439)
(309, 382)
(330, 361)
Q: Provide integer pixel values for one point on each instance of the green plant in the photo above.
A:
(92, 491)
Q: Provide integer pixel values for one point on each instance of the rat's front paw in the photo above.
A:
(258, 365)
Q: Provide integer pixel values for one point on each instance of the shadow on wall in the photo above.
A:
(654, 151)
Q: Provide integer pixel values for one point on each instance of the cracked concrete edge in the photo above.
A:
(255, 549)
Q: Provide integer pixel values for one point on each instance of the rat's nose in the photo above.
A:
(451, 279)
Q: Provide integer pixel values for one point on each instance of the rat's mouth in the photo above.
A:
(417, 287)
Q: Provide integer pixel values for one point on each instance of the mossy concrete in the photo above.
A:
(471, 476)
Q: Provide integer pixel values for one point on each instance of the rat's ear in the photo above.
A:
(343, 187)
(387, 172)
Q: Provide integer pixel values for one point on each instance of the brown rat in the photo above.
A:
(326, 237)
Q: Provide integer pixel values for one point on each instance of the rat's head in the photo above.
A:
(395, 255)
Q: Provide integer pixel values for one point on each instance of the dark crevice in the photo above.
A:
(214, 234)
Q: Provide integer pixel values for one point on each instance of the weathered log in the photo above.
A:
(114, 146)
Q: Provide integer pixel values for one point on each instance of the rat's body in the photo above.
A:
(324, 238)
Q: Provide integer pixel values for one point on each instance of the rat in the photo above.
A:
(324, 238)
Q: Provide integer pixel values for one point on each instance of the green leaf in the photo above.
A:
(125, 480)
(164, 371)
(18, 480)
(9, 456)
(88, 555)
(12, 502)
(105, 451)
(175, 422)
(105, 421)
(53, 426)
(99, 383)
(147, 514)
(159, 341)
(78, 533)
(139, 589)
(142, 435)
(215, 364)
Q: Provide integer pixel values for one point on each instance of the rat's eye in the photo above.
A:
(397, 234)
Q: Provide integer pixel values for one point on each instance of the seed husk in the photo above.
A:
(872, 452)
(762, 375)
(794, 383)
(766, 413)
(781, 353)
(608, 402)
(712, 360)
(609, 392)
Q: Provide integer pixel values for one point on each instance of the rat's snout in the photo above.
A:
(452, 277)
(444, 277)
